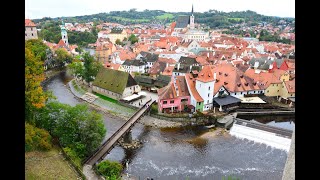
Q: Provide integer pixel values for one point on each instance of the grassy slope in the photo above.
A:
(165, 16)
(47, 165)
(236, 19)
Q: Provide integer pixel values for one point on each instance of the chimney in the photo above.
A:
(167, 64)
(178, 66)
(190, 67)
(208, 54)
(214, 75)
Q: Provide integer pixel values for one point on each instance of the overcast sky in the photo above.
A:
(35, 9)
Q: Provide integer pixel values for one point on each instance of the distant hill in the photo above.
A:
(211, 18)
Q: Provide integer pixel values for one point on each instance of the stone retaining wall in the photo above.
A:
(177, 119)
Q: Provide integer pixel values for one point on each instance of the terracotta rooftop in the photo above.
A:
(192, 86)
(290, 85)
(233, 79)
(205, 75)
(168, 71)
(29, 23)
(169, 92)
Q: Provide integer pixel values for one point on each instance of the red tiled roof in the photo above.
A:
(112, 66)
(205, 75)
(168, 71)
(233, 79)
(167, 60)
(192, 86)
(290, 85)
(202, 60)
(169, 92)
(29, 23)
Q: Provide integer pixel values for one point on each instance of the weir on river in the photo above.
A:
(180, 153)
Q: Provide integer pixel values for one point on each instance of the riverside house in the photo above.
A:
(115, 84)
(174, 97)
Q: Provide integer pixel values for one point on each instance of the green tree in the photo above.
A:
(110, 169)
(76, 69)
(118, 42)
(76, 127)
(62, 57)
(37, 47)
(91, 67)
(133, 39)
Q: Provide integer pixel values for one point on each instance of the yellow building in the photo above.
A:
(283, 90)
(117, 34)
(104, 51)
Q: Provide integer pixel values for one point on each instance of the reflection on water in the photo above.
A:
(178, 153)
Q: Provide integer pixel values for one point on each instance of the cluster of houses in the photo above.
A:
(190, 69)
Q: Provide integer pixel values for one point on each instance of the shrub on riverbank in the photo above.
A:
(110, 169)
(36, 139)
(76, 127)
(154, 109)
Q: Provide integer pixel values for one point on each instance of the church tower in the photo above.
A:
(64, 34)
(192, 19)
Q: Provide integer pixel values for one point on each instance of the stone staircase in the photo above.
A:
(89, 97)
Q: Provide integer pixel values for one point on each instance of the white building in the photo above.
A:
(30, 30)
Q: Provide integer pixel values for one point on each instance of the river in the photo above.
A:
(180, 153)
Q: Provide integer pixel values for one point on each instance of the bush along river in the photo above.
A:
(185, 152)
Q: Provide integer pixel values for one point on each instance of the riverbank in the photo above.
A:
(118, 111)
(48, 165)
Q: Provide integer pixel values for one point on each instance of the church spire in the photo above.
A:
(192, 10)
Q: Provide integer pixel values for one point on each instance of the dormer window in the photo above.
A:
(225, 83)
(246, 84)
(239, 84)
(225, 74)
(241, 76)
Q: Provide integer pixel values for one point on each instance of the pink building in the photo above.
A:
(174, 97)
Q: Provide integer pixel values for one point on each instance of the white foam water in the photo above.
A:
(260, 136)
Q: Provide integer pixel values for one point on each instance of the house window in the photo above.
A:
(278, 91)
(209, 87)
(235, 93)
(267, 91)
(31, 34)
(199, 103)
(26, 34)
(207, 102)
(277, 84)
(171, 101)
(208, 94)
(241, 93)
(200, 85)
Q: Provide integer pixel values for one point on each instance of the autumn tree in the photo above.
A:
(35, 97)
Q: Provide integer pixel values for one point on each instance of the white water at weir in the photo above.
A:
(260, 136)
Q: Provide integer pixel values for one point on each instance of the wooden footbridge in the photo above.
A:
(108, 145)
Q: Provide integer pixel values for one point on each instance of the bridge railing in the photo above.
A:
(114, 134)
